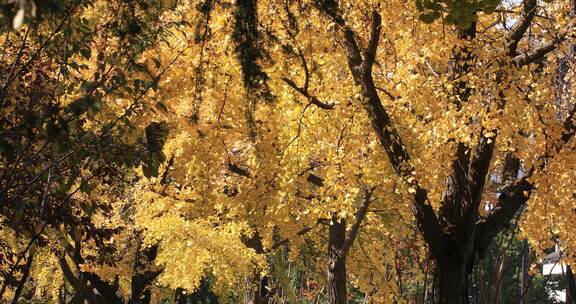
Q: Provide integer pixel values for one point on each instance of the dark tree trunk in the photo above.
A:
(180, 296)
(499, 274)
(525, 276)
(337, 263)
(256, 288)
(142, 279)
(453, 278)
(482, 296)
(25, 275)
(203, 295)
(425, 297)
(570, 286)
(459, 234)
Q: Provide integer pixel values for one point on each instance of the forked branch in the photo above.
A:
(304, 90)
(382, 123)
(521, 26)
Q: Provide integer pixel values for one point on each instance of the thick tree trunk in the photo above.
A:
(337, 263)
(453, 278)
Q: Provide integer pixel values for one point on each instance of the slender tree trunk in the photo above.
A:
(416, 294)
(250, 290)
(425, 298)
(434, 287)
(399, 273)
(256, 288)
(61, 295)
(570, 286)
(483, 297)
(499, 271)
(336, 263)
(25, 275)
(525, 276)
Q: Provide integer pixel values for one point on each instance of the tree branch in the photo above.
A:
(539, 52)
(306, 71)
(360, 215)
(25, 275)
(78, 285)
(301, 232)
(304, 90)
(104, 288)
(313, 99)
(382, 123)
(509, 202)
(480, 165)
(514, 197)
(521, 26)
(370, 52)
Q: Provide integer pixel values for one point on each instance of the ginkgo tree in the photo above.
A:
(474, 103)
(276, 180)
(204, 137)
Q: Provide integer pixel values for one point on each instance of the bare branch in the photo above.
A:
(431, 69)
(304, 90)
(306, 71)
(313, 99)
(388, 93)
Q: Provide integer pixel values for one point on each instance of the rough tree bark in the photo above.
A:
(339, 245)
(336, 262)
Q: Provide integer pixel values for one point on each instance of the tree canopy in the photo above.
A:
(314, 151)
